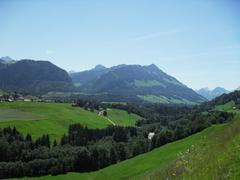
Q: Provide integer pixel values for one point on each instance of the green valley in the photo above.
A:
(113, 90)
(156, 160)
(54, 118)
(183, 159)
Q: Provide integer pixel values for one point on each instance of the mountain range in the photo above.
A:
(211, 94)
(121, 83)
(135, 82)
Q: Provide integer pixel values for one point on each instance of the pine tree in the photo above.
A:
(29, 138)
(54, 143)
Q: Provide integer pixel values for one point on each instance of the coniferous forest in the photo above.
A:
(83, 149)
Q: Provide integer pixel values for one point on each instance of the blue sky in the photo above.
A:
(198, 42)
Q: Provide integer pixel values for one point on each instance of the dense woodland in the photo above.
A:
(34, 77)
(83, 149)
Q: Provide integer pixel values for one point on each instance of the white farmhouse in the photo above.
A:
(150, 135)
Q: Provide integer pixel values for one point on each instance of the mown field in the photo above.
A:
(210, 154)
(121, 117)
(54, 118)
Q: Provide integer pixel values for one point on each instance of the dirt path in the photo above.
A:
(113, 123)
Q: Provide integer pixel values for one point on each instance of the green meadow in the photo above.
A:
(122, 118)
(142, 165)
(229, 107)
(165, 100)
(210, 154)
(54, 118)
(220, 151)
(14, 114)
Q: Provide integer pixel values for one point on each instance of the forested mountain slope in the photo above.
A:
(35, 77)
(135, 83)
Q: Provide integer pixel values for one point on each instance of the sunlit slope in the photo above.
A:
(122, 118)
(54, 118)
(217, 157)
(137, 167)
(217, 145)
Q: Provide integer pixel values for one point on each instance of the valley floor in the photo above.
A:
(54, 118)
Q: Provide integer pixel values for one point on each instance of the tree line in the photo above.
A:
(82, 149)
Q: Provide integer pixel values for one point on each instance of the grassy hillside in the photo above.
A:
(220, 151)
(121, 117)
(217, 145)
(165, 100)
(138, 166)
(54, 119)
(230, 107)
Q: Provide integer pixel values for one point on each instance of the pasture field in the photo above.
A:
(14, 114)
(122, 117)
(165, 100)
(54, 118)
(229, 107)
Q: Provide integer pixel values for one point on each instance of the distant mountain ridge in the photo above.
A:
(211, 94)
(35, 77)
(80, 78)
(7, 60)
(121, 83)
(146, 83)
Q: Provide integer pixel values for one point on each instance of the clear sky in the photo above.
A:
(196, 41)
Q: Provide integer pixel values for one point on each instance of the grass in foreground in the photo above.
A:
(138, 166)
(217, 157)
(54, 118)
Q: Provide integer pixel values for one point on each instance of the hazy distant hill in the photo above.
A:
(146, 83)
(211, 94)
(36, 77)
(7, 60)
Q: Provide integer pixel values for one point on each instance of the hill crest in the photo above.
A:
(32, 76)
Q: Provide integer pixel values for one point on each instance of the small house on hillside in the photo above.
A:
(150, 135)
(10, 100)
